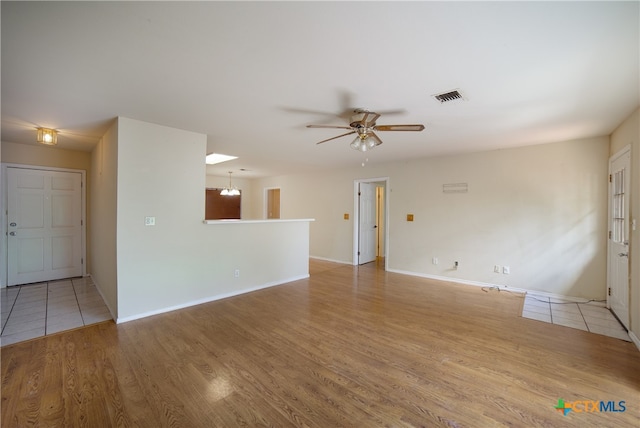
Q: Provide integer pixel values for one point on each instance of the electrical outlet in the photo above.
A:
(236, 273)
(506, 270)
(496, 269)
(434, 260)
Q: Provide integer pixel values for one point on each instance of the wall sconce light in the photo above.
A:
(47, 136)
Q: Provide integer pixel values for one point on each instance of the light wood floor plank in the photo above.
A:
(350, 346)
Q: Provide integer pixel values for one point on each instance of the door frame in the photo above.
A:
(265, 201)
(4, 241)
(356, 217)
(626, 150)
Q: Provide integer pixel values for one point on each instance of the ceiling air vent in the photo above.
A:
(449, 96)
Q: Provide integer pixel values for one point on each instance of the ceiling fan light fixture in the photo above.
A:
(46, 136)
(363, 143)
(363, 124)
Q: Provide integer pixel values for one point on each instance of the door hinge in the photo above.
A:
(609, 234)
(610, 178)
(358, 252)
(81, 223)
(609, 291)
(81, 261)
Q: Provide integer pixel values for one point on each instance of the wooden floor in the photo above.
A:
(353, 347)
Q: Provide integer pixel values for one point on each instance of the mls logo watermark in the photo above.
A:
(589, 406)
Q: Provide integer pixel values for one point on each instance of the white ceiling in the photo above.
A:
(252, 75)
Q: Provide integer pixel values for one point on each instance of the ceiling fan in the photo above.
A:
(363, 123)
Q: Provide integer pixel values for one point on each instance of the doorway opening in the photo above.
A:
(370, 232)
(272, 203)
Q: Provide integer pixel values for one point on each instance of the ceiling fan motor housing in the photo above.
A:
(363, 118)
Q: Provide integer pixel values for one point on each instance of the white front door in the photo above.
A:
(367, 223)
(618, 249)
(44, 225)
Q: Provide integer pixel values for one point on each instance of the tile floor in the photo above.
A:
(35, 310)
(592, 317)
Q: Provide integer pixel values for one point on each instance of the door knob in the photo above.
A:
(12, 233)
(13, 224)
(623, 254)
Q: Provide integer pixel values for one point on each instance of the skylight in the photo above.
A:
(214, 158)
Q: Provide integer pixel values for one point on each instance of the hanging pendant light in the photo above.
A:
(231, 190)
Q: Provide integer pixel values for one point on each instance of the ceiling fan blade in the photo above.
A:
(392, 112)
(399, 127)
(329, 126)
(333, 138)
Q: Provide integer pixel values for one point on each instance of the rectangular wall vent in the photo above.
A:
(455, 188)
(449, 96)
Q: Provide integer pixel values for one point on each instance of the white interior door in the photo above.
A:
(618, 249)
(367, 223)
(44, 224)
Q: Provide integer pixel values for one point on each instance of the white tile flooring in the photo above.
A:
(592, 317)
(34, 310)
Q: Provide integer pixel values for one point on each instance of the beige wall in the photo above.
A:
(28, 154)
(39, 155)
(628, 133)
(104, 173)
(541, 210)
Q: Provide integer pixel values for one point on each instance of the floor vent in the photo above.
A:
(449, 96)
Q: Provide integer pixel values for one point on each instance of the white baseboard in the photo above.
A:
(331, 260)
(489, 285)
(634, 339)
(208, 299)
(106, 302)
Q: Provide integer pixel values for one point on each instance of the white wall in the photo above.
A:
(541, 210)
(181, 261)
(103, 215)
(629, 133)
